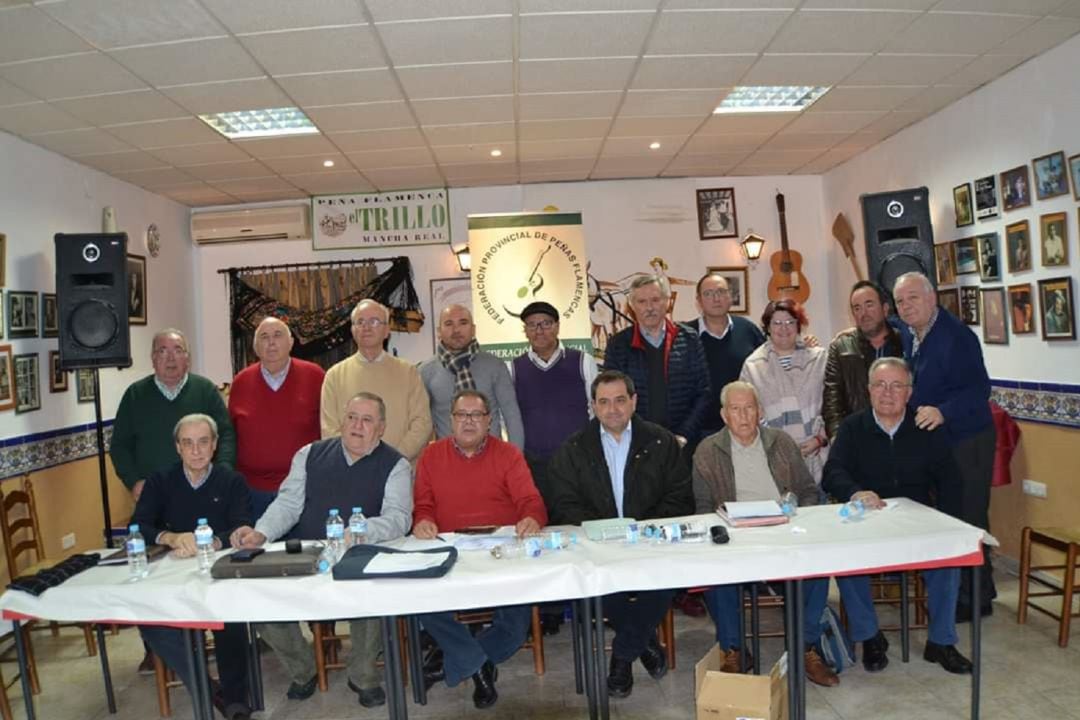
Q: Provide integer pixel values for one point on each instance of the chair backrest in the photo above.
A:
(19, 526)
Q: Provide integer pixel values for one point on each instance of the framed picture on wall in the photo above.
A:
(84, 385)
(716, 213)
(1052, 231)
(27, 383)
(447, 291)
(1022, 309)
(986, 198)
(950, 300)
(1018, 246)
(22, 315)
(989, 257)
(50, 317)
(1056, 308)
(967, 256)
(58, 379)
(136, 277)
(945, 261)
(3, 260)
(738, 280)
(1, 313)
(7, 378)
(995, 319)
(969, 305)
(1074, 173)
(1015, 188)
(1051, 176)
(965, 215)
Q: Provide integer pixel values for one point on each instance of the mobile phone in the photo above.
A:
(247, 555)
(719, 534)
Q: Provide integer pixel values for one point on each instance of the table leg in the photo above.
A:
(601, 684)
(584, 612)
(755, 627)
(789, 644)
(24, 669)
(201, 702)
(110, 696)
(255, 685)
(416, 660)
(976, 640)
(742, 627)
(575, 637)
(800, 647)
(905, 620)
(395, 685)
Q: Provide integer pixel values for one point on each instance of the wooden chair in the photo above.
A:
(19, 529)
(166, 680)
(1065, 540)
(327, 645)
(885, 589)
(534, 640)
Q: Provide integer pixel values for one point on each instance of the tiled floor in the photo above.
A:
(1025, 675)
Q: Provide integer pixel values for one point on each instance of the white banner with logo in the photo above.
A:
(368, 220)
(519, 258)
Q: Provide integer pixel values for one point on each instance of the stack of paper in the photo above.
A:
(752, 514)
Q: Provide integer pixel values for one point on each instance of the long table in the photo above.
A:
(816, 544)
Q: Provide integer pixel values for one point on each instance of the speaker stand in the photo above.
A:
(101, 460)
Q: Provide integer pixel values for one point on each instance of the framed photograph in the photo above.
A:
(989, 257)
(962, 205)
(7, 378)
(950, 300)
(1021, 309)
(447, 291)
(1056, 307)
(986, 198)
(58, 379)
(27, 383)
(945, 261)
(969, 305)
(1051, 179)
(716, 213)
(84, 385)
(1052, 231)
(1015, 188)
(3, 260)
(738, 280)
(967, 256)
(136, 277)
(1074, 172)
(1, 313)
(22, 315)
(995, 324)
(1018, 246)
(50, 318)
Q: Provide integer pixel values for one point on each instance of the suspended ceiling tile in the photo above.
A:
(137, 106)
(448, 41)
(728, 142)
(249, 186)
(479, 169)
(202, 154)
(165, 133)
(802, 69)
(577, 167)
(625, 173)
(289, 193)
(488, 180)
(70, 76)
(251, 16)
(26, 33)
(81, 142)
(394, 178)
(870, 4)
(308, 164)
(867, 97)
(906, 69)
(644, 103)
(713, 161)
(730, 4)
(1040, 36)
(155, 177)
(640, 146)
(576, 35)
(449, 111)
(402, 137)
(660, 72)
(840, 31)
(891, 123)
(714, 32)
(644, 126)
(229, 170)
(340, 88)
(535, 178)
(361, 116)
(120, 23)
(804, 141)
(230, 96)
(121, 161)
(564, 106)
(563, 129)
(196, 195)
(849, 122)
(1019, 7)
(338, 183)
(577, 74)
(467, 133)
(757, 123)
(983, 69)
(555, 149)
(390, 10)
(266, 148)
(12, 95)
(1068, 8)
(971, 33)
(186, 63)
(396, 158)
(827, 161)
(445, 81)
(630, 163)
(783, 158)
(37, 118)
(473, 154)
(933, 99)
(318, 50)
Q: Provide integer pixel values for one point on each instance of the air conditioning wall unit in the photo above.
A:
(287, 222)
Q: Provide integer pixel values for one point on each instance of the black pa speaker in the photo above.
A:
(899, 236)
(92, 300)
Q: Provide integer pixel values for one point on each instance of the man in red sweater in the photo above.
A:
(274, 406)
(474, 478)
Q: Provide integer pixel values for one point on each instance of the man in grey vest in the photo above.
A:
(355, 469)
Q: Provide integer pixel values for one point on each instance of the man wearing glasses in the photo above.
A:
(373, 370)
(469, 479)
(881, 453)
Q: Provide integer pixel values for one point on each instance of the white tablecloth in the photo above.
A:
(815, 544)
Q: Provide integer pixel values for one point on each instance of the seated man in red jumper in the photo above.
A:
(474, 478)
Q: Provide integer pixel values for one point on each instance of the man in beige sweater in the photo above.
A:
(372, 369)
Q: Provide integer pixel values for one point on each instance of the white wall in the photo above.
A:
(617, 243)
(41, 194)
(1033, 110)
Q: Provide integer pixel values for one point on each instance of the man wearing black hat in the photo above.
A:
(552, 385)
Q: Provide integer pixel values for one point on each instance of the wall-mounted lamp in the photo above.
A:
(752, 245)
(464, 259)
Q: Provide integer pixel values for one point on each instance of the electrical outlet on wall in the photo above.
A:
(68, 541)
(1035, 489)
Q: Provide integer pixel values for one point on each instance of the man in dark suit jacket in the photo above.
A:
(622, 466)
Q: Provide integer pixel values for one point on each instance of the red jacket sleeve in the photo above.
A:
(423, 493)
(523, 490)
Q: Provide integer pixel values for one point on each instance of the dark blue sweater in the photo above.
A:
(169, 503)
(725, 359)
(950, 375)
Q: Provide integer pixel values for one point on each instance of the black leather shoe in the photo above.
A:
(298, 691)
(654, 660)
(369, 697)
(948, 657)
(485, 694)
(434, 671)
(620, 680)
(237, 711)
(874, 658)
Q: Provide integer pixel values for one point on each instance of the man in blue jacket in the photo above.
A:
(951, 391)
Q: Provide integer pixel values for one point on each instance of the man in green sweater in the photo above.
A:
(142, 441)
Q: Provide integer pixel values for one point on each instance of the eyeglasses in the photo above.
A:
(370, 322)
(539, 325)
(718, 293)
(783, 323)
(882, 386)
(170, 352)
(474, 416)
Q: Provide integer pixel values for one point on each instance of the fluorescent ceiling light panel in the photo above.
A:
(770, 98)
(270, 122)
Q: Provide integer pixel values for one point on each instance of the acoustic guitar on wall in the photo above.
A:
(787, 279)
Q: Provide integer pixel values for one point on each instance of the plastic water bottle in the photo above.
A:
(789, 504)
(204, 546)
(335, 533)
(327, 559)
(135, 545)
(357, 527)
(852, 511)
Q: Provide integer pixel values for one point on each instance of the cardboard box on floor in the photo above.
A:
(730, 696)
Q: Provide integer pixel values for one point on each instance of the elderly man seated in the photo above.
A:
(881, 453)
(742, 462)
(473, 478)
(355, 469)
